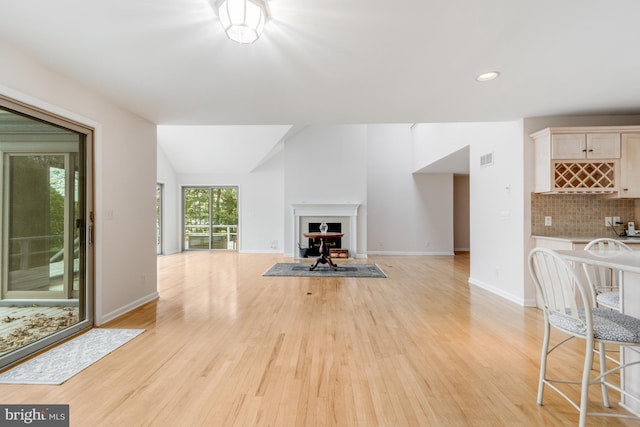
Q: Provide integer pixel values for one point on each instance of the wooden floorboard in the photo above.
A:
(225, 346)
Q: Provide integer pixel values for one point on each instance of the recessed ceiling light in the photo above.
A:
(485, 77)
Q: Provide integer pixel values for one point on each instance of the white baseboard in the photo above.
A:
(408, 253)
(499, 292)
(258, 251)
(170, 252)
(127, 308)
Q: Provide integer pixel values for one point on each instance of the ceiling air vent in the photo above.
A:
(486, 160)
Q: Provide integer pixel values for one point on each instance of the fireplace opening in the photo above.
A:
(314, 244)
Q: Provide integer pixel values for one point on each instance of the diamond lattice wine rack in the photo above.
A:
(576, 176)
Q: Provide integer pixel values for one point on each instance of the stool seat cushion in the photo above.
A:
(609, 299)
(608, 325)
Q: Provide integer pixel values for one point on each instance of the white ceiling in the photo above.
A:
(218, 149)
(342, 61)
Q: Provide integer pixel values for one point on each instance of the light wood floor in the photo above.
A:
(225, 346)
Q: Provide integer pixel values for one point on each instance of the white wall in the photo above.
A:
(326, 164)
(171, 204)
(125, 177)
(260, 203)
(496, 200)
(407, 213)
(497, 212)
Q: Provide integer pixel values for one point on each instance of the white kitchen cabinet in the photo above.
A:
(630, 166)
(603, 145)
(579, 146)
(568, 146)
(585, 160)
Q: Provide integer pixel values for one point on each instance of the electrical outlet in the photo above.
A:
(607, 221)
(547, 221)
(616, 220)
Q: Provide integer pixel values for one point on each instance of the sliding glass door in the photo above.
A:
(210, 218)
(44, 244)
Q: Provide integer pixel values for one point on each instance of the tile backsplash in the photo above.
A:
(579, 215)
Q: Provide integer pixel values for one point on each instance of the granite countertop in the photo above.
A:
(586, 239)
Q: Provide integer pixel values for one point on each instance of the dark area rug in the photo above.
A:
(323, 270)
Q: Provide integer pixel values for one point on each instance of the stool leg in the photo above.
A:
(543, 361)
(584, 389)
(603, 369)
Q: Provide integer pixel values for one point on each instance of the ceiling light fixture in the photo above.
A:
(486, 77)
(243, 20)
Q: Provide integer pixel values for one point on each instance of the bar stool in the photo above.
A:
(567, 304)
(605, 281)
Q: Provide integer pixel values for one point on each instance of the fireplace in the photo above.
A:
(305, 215)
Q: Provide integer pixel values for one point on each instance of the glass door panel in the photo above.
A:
(197, 225)
(36, 187)
(159, 202)
(224, 213)
(78, 260)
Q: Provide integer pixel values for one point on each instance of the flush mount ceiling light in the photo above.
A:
(486, 77)
(243, 20)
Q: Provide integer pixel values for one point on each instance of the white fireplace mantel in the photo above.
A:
(349, 210)
(339, 209)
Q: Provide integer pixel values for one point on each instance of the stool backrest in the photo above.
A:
(566, 300)
(603, 279)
